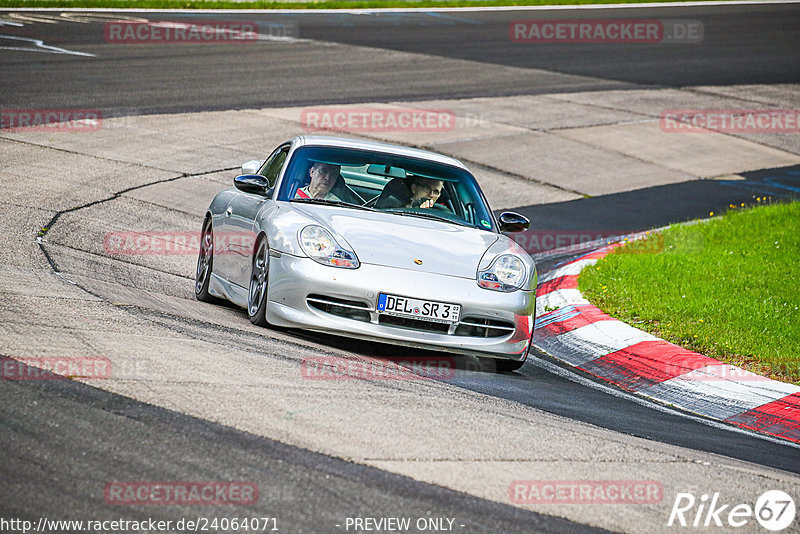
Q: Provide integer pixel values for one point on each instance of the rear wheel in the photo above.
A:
(259, 282)
(205, 264)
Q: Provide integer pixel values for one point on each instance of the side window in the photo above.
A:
(272, 167)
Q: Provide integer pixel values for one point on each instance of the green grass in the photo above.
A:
(327, 4)
(728, 288)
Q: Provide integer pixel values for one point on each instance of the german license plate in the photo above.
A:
(426, 310)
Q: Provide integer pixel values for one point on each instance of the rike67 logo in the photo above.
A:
(774, 510)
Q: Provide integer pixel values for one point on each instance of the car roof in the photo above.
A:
(344, 142)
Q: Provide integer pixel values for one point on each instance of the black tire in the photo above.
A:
(205, 264)
(259, 284)
(508, 366)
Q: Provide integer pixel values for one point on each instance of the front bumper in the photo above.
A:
(292, 280)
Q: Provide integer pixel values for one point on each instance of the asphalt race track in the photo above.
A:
(202, 395)
(741, 45)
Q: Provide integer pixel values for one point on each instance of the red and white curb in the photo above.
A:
(583, 336)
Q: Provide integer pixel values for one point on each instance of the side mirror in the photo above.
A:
(251, 167)
(252, 183)
(513, 222)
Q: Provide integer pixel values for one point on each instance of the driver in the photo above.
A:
(327, 184)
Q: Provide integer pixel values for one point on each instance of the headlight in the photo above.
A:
(506, 273)
(321, 247)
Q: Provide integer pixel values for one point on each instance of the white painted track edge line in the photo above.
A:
(357, 11)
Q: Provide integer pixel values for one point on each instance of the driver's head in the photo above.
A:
(323, 177)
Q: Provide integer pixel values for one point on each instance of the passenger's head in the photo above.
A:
(425, 189)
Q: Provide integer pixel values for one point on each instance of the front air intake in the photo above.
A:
(480, 327)
(349, 309)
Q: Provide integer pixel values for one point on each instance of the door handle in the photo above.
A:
(229, 211)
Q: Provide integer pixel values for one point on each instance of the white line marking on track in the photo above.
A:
(233, 34)
(40, 47)
(43, 18)
(586, 7)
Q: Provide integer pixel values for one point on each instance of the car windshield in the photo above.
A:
(401, 185)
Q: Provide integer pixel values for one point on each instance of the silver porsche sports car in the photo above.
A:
(373, 241)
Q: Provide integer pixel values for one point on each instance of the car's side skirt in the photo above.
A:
(220, 287)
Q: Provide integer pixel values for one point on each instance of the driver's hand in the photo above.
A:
(427, 204)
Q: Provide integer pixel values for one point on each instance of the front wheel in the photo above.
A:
(508, 366)
(205, 264)
(259, 281)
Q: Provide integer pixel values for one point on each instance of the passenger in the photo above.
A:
(327, 184)
(425, 192)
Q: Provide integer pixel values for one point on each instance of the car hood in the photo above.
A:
(406, 242)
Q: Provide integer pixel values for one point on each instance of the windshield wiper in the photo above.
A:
(426, 215)
(332, 203)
